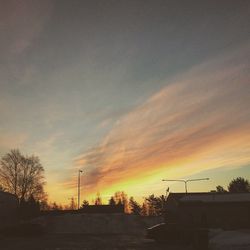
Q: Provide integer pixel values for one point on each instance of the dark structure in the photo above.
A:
(89, 209)
(189, 216)
(8, 210)
(106, 209)
(211, 210)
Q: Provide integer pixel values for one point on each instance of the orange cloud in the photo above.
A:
(202, 115)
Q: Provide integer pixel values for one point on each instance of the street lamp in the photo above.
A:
(186, 181)
(79, 184)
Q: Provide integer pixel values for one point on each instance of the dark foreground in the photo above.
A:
(78, 241)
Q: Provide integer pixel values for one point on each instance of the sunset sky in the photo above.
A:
(130, 92)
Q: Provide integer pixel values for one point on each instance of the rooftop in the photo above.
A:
(217, 197)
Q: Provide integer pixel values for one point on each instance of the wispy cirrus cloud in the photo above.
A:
(196, 116)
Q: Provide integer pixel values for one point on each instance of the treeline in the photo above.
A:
(237, 185)
(23, 175)
(150, 206)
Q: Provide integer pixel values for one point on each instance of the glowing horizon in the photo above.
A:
(130, 93)
(125, 159)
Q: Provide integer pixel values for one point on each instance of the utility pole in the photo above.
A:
(79, 185)
(186, 181)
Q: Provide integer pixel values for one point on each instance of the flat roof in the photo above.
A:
(217, 197)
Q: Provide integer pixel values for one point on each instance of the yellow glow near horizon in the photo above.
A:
(198, 122)
(142, 185)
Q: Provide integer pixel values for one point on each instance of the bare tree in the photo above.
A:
(32, 178)
(22, 176)
(10, 169)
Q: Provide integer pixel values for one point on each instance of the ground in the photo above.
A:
(82, 242)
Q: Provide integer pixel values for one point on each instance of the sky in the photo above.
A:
(131, 92)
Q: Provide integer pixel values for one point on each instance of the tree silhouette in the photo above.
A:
(22, 175)
(55, 206)
(98, 199)
(121, 198)
(44, 206)
(72, 204)
(134, 206)
(155, 204)
(239, 185)
(144, 209)
(112, 201)
(10, 169)
(85, 203)
(220, 189)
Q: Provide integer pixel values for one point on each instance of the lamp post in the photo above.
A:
(186, 181)
(79, 184)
